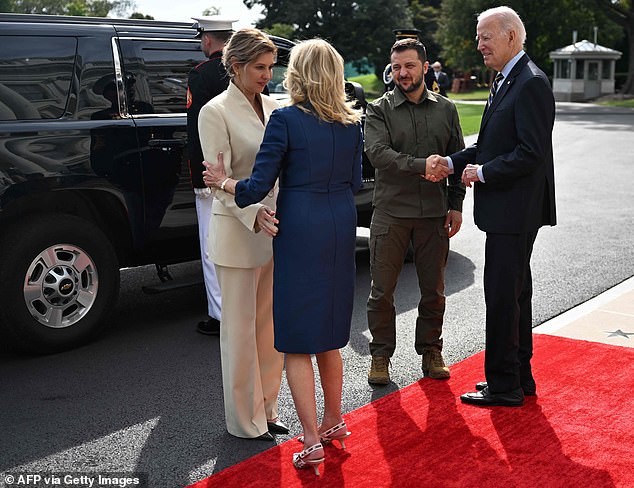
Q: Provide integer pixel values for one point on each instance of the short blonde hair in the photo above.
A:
(315, 76)
(244, 46)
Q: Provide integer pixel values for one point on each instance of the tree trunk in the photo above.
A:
(628, 87)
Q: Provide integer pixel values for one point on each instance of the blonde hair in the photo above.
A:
(244, 46)
(315, 76)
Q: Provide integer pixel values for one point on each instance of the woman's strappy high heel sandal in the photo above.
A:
(301, 461)
(337, 433)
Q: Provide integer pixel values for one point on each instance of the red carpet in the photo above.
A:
(577, 433)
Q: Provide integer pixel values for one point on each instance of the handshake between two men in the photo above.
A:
(437, 168)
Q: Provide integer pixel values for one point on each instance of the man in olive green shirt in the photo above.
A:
(403, 128)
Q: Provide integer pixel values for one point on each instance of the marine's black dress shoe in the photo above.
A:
(209, 327)
(529, 390)
(483, 398)
(277, 426)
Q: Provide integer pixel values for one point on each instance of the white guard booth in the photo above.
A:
(583, 71)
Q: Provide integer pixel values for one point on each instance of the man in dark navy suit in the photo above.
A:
(444, 83)
(511, 169)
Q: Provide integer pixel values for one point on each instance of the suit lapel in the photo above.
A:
(506, 86)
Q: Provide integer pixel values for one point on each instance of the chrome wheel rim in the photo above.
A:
(60, 286)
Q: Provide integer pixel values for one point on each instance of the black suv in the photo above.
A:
(93, 167)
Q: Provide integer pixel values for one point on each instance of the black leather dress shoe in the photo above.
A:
(209, 327)
(528, 390)
(277, 426)
(483, 398)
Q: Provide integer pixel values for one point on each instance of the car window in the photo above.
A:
(35, 76)
(155, 74)
(276, 90)
(275, 84)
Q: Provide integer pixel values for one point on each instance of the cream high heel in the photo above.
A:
(300, 460)
(333, 434)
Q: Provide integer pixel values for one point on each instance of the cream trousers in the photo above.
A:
(251, 367)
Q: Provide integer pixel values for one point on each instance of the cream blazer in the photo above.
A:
(228, 124)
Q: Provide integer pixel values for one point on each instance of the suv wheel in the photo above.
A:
(60, 277)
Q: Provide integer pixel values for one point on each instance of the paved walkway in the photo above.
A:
(607, 318)
(575, 108)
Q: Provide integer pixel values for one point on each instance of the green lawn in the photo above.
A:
(479, 94)
(619, 103)
(371, 84)
(470, 116)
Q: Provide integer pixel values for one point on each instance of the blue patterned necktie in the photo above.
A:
(494, 88)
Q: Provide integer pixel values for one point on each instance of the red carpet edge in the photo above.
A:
(577, 432)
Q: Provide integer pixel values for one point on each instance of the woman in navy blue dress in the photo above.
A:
(314, 146)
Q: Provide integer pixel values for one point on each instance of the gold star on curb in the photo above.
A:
(619, 333)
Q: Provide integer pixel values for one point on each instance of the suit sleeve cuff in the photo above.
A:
(450, 164)
(480, 175)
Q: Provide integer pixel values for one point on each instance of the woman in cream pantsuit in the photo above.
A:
(233, 123)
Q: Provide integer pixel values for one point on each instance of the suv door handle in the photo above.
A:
(166, 143)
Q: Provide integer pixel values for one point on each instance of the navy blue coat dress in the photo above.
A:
(319, 169)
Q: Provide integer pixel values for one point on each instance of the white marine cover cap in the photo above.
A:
(214, 23)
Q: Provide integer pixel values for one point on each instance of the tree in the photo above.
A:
(425, 16)
(93, 8)
(544, 33)
(372, 37)
(358, 29)
(622, 13)
(282, 30)
(139, 15)
(456, 32)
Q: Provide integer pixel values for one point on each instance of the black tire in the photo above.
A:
(59, 279)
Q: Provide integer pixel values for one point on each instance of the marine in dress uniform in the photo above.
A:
(206, 81)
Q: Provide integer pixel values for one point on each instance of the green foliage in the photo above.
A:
(363, 28)
(456, 33)
(372, 34)
(76, 8)
(622, 14)
(549, 25)
(627, 102)
(53, 7)
(139, 15)
(93, 8)
(282, 30)
(357, 29)
(425, 17)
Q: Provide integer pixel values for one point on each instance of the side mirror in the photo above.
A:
(354, 91)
